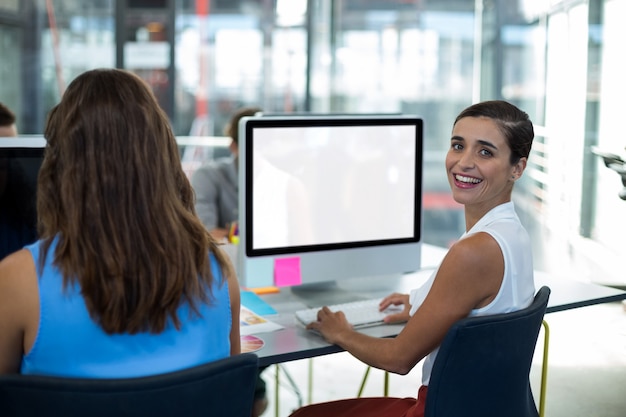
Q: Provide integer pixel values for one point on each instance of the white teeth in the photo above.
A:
(470, 180)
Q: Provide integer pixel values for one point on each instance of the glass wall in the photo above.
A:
(11, 53)
(603, 248)
(10, 94)
(559, 60)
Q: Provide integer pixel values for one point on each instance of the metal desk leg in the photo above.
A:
(310, 393)
(291, 382)
(276, 389)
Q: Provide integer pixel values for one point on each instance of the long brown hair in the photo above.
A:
(112, 191)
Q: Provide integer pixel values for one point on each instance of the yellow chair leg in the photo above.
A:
(385, 386)
(544, 369)
(367, 372)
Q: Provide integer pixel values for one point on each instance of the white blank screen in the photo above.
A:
(333, 184)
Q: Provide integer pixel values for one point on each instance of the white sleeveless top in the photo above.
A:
(517, 289)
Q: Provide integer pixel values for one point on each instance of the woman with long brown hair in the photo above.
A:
(124, 279)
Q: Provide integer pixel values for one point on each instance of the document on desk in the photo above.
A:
(253, 323)
(255, 303)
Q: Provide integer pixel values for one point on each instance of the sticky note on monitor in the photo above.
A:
(287, 271)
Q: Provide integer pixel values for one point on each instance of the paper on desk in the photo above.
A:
(255, 303)
(252, 323)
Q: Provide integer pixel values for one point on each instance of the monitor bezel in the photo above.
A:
(23, 142)
(247, 127)
(27, 150)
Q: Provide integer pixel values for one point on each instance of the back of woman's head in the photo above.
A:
(113, 192)
(110, 141)
(514, 124)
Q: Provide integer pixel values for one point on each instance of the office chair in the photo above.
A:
(483, 365)
(221, 388)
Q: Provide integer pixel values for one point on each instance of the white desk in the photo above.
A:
(294, 342)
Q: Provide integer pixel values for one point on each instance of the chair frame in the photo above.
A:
(221, 388)
(456, 374)
(543, 384)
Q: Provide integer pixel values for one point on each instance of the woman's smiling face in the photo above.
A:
(478, 164)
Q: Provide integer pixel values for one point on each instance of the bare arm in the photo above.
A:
(469, 277)
(219, 234)
(235, 306)
(19, 309)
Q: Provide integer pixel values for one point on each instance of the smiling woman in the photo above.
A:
(480, 166)
(488, 271)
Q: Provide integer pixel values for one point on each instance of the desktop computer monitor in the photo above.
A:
(20, 160)
(328, 198)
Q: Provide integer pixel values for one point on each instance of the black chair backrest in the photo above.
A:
(221, 388)
(483, 365)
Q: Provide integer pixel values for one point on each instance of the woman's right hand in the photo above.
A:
(396, 300)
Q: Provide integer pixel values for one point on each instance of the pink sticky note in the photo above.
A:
(287, 271)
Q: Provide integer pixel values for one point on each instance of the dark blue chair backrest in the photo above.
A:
(221, 388)
(483, 365)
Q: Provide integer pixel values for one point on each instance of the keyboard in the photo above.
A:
(358, 313)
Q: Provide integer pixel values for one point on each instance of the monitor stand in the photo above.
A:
(324, 293)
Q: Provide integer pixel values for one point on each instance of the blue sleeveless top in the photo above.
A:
(69, 343)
